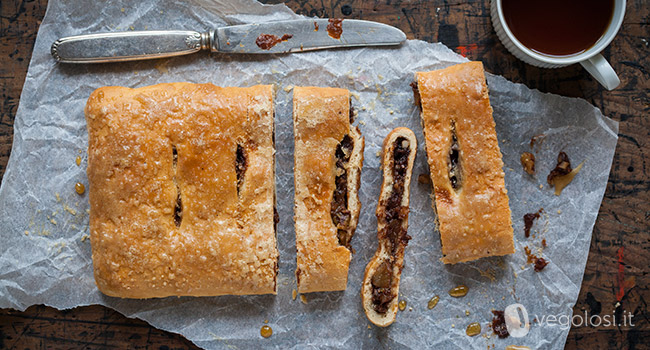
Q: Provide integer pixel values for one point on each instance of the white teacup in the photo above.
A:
(590, 59)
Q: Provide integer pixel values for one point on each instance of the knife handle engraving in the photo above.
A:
(129, 46)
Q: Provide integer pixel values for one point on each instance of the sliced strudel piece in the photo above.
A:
(380, 286)
(465, 163)
(327, 161)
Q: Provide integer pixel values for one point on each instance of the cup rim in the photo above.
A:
(589, 53)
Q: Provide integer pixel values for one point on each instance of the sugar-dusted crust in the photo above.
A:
(226, 242)
(474, 221)
(383, 249)
(321, 121)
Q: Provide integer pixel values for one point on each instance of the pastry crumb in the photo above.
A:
(294, 294)
(161, 66)
(58, 246)
(69, 210)
(26, 233)
(303, 299)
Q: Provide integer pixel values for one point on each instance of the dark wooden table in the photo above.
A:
(617, 269)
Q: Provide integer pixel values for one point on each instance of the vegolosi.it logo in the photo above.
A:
(518, 323)
(516, 327)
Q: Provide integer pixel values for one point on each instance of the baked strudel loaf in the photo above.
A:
(465, 163)
(327, 166)
(182, 190)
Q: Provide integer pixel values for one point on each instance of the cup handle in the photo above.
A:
(602, 71)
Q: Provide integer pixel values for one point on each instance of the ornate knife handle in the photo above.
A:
(129, 46)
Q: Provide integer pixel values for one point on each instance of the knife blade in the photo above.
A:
(259, 38)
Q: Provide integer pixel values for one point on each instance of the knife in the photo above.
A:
(260, 38)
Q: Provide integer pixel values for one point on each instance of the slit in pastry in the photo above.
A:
(178, 207)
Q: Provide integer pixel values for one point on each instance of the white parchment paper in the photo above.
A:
(45, 254)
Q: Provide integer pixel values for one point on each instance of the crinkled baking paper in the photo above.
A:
(45, 251)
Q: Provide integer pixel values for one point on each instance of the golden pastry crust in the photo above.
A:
(149, 146)
(384, 252)
(474, 219)
(321, 120)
